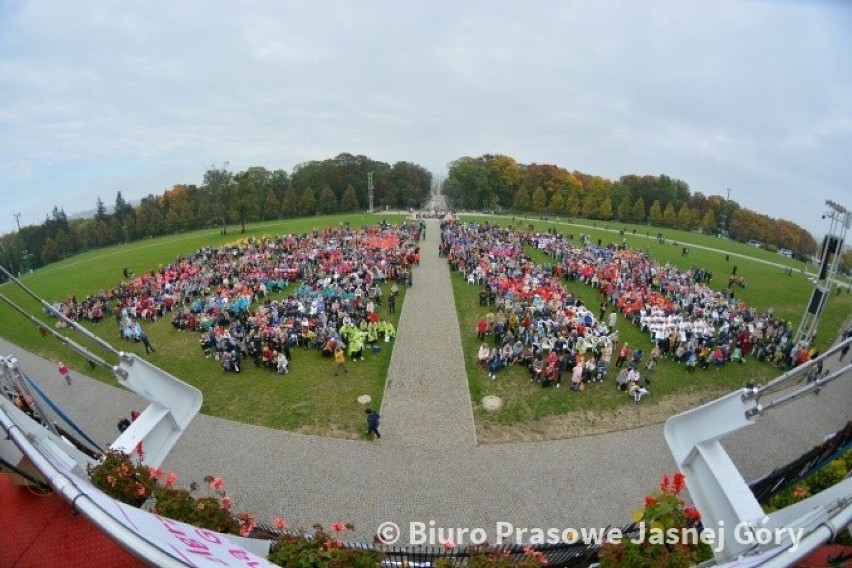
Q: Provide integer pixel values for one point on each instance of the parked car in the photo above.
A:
(786, 252)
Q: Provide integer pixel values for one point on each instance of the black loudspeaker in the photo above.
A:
(833, 243)
(813, 308)
(823, 269)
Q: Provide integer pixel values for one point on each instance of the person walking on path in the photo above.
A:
(64, 372)
(373, 422)
(148, 347)
(339, 360)
(392, 304)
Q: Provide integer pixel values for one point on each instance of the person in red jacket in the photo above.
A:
(481, 328)
(623, 354)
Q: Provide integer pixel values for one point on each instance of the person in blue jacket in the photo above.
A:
(373, 422)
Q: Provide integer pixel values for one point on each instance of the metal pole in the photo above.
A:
(129, 540)
(85, 332)
(70, 343)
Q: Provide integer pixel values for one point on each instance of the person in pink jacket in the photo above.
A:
(64, 372)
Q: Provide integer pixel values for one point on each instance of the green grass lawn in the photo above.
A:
(308, 399)
(526, 406)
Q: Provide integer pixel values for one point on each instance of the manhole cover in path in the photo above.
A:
(492, 403)
(364, 399)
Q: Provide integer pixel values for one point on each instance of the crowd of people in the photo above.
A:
(686, 319)
(533, 321)
(530, 319)
(223, 293)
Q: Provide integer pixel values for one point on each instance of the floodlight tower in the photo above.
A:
(832, 246)
(370, 189)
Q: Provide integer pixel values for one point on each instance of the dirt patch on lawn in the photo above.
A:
(590, 422)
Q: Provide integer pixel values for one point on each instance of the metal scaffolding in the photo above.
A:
(832, 247)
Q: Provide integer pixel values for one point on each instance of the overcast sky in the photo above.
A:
(98, 97)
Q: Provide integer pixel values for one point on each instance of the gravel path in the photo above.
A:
(427, 402)
(427, 466)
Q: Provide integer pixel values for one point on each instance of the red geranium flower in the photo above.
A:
(247, 524)
(800, 492)
(171, 479)
(650, 501)
(226, 503)
(679, 482)
(279, 523)
(692, 513)
(217, 483)
(338, 526)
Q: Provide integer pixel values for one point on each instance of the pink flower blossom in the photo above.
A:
(155, 472)
(226, 503)
(279, 523)
(171, 479)
(338, 526)
(140, 451)
(538, 556)
(217, 483)
(111, 480)
(447, 543)
(140, 490)
(247, 523)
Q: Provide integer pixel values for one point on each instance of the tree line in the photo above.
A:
(339, 184)
(335, 185)
(499, 183)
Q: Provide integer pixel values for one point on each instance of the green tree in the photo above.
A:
(557, 204)
(327, 201)
(308, 202)
(708, 222)
(685, 218)
(217, 189)
(103, 232)
(243, 200)
(100, 211)
(123, 211)
(271, 206)
(150, 218)
(63, 244)
(669, 215)
(49, 252)
(539, 200)
(638, 212)
(572, 204)
(605, 211)
(522, 200)
(624, 209)
(290, 203)
(350, 199)
(655, 214)
(590, 208)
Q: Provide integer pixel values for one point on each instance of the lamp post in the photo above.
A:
(24, 253)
